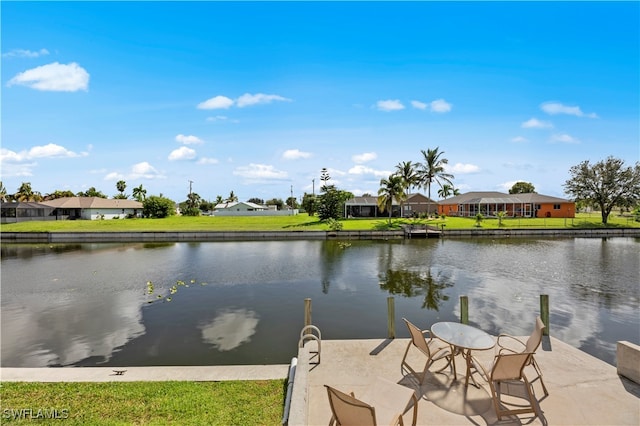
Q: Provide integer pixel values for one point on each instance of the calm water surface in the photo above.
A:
(242, 302)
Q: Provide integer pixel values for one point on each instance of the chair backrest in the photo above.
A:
(417, 338)
(536, 336)
(350, 411)
(509, 366)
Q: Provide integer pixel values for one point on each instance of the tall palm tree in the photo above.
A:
(121, 186)
(390, 189)
(407, 171)
(432, 170)
(139, 193)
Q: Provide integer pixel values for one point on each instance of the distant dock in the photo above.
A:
(421, 231)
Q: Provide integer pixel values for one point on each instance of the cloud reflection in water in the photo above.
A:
(230, 329)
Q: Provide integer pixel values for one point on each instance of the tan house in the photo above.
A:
(94, 208)
(516, 205)
(415, 204)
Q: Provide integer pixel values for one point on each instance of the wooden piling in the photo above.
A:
(307, 312)
(464, 309)
(391, 318)
(544, 312)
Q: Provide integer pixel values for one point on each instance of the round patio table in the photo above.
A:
(464, 338)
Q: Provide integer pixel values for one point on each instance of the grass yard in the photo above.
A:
(145, 403)
(304, 222)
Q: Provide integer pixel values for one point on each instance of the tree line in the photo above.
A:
(605, 185)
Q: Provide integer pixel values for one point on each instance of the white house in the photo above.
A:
(244, 208)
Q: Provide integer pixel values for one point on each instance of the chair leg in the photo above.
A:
(532, 399)
(537, 368)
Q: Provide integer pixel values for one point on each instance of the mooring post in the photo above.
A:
(544, 312)
(391, 318)
(464, 309)
(307, 311)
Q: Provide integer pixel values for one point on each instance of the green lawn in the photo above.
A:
(145, 403)
(302, 222)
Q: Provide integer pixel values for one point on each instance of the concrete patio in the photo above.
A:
(583, 390)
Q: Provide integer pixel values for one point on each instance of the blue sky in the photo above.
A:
(257, 98)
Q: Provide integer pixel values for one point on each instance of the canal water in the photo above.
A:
(242, 302)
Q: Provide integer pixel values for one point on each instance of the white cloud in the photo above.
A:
(295, 154)
(419, 105)
(223, 102)
(54, 77)
(259, 98)
(115, 176)
(553, 108)
(23, 53)
(45, 151)
(364, 170)
(534, 123)
(222, 118)
(364, 157)
(188, 140)
(217, 102)
(460, 168)
(259, 172)
(389, 105)
(564, 138)
(519, 139)
(440, 105)
(142, 170)
(182, 153)
(206, 160)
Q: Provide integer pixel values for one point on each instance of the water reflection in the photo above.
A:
(63, 329)
(230, 329)
(417, 284)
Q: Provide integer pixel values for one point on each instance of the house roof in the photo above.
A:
(92, 203)
(24, 205)
(364, 201)
(229, 205)
(373, 201)
(493, 197)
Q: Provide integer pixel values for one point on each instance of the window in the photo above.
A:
(556, 206)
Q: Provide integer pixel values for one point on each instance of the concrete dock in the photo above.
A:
(583, 390)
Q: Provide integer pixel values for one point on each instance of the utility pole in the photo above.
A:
(190, 182)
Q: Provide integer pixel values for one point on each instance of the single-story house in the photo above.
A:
(245, 208)
(239, 206)
(414, 205)
(516, 205)
(25, 211)
(88, 208)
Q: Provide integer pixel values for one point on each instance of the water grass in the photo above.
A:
(144, 403)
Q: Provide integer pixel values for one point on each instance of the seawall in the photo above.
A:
(175, 236)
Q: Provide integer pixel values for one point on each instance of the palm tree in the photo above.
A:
(446, 190)
(390, 189)
(407, 171)
(139, 193)
(432, 169)
(3, 192)
(232, 197)
(25, 193)
(121, 186)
